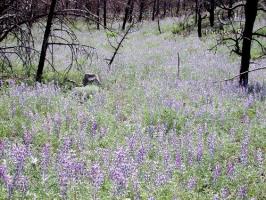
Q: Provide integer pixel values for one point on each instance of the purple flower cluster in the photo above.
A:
(96, 175)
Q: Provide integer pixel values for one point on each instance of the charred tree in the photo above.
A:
(199, 23)
(141, 10)
(127, 10)
(196, 11)
(177, 7)
(251, 9)
(154, 10)
(212, 9)
(98, 14)
(131, 11)
(157, 8)
(230, 12)
(164, 8)
(105, 13)
(45, 41)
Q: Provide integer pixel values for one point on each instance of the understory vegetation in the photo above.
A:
(147, 132)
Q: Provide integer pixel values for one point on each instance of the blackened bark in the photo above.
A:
(105, 13)
(230, 5)
(164, 8)
(177, 7)
(212, 9)
(98, 14)
(154, 10)
(141, 10)
(131, 11)
(196, 11)
(45, 41)
(127, 9)
(199, 23)
(157, 8)
(250, 13)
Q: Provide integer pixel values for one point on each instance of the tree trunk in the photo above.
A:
(212, 9)
(154, 10)
(196, 11)
(199, 23)
(127, 9)
(141, 10)
(157, 8)
(131, 11)
(98, 14)
(105, 13)
(230, 5)
(164, 8)
(250, 13)
(177, 7)
(45, 41)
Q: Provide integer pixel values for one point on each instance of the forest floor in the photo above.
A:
(146, 133)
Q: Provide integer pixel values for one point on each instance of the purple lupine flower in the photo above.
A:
(224, 193)
(19, 154)
(27, 138)
(118, 177)
(166, 158)
(69, 169)
(141, 155)
(244, 150)
(200, 145)
(45, 160)
(178, 160)
(230, 169)
(217, 172)
(161, 179)
(94, 127)
(216, 197)
(190, 149)
(57, 123)
(259, 157)
(211, 144)
(242, 192)
(22, 184)
(2, 148)
(192, 183)
(96, 175)
(3, 174)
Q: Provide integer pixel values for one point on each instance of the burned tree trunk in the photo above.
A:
(212, 9)
(230, 5)
(196, 11)
(177, 7)
(250, 13)
(127, 9)
(131, 11)
(45, 41)
(199, 20)
(154, 10)
(141, 10)
(157, 8)
(105, 13)
(164, 8)
(98, 15)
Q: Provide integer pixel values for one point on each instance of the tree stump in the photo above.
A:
(91, 79)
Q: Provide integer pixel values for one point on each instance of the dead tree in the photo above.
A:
(131, 10)
(251, 8)
(141, 10)
(45, 41)
(98, 14)
(105, 13)
(118, 46)
(126, 16)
